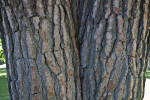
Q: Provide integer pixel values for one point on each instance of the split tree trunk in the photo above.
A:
(75, 49)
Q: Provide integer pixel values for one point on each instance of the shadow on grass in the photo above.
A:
(147, 75)
(4, 95)
(3, 80)
(2, 70)
(3, 77)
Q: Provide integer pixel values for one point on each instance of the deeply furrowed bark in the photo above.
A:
(75, 49)
(114, 56)
(41, 53)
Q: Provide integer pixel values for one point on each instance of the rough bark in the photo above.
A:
(114, 56)
(75, 49)
(149, 64)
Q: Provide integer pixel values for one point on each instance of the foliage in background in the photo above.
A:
(2, 58)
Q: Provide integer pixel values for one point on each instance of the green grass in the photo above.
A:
(4, 95)
(147, 75)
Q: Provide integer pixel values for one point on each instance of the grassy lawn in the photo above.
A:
(147, 74)
(4, 95)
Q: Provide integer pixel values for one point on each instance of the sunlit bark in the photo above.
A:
(75, 49)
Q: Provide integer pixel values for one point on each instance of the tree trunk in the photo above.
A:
(149, 64)
(75, 49)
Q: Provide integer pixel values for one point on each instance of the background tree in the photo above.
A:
(75, 49)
